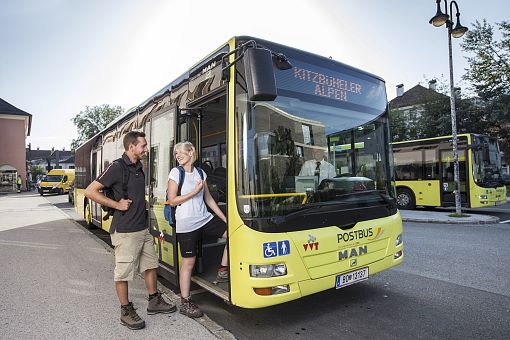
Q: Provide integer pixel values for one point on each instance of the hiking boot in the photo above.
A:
(222, 275)
(188, 308)
(158, 305)
(129, 317)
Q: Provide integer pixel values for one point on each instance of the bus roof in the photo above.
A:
(467, 134)
(216, 55)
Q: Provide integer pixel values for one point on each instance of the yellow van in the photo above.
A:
(56, 181)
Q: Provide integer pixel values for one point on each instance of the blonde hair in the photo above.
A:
(186, 146)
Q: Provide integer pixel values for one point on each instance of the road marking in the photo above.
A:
(30, 244)
(505, 221)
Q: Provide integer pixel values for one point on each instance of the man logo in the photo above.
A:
(352, 252)
(354, 263)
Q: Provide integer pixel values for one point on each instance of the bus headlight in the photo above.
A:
(483, 197)
(268, 270)
(399, 240)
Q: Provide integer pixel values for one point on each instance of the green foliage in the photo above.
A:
(489, 59)
(92, 120)
(489, 74)
(37, 170)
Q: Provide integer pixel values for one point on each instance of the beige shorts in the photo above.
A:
(134, 253)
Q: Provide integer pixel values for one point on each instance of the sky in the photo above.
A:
(59, 56)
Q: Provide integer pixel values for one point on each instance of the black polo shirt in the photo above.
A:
(135, 218)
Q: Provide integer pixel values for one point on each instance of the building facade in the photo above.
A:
(15, 126)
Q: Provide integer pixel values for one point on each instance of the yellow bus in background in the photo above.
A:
(256, 111)
(424, 172)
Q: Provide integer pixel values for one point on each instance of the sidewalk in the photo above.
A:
(57, 282)
(431, 216)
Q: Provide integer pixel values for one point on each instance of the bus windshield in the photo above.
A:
(486, 161)
(52, 178)
(307, 153)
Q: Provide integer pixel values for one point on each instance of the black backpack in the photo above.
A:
(108, 192)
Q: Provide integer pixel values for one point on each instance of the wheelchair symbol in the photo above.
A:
(269, 249)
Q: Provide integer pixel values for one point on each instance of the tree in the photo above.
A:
(489, 73)
(92, 120)
(489, 60)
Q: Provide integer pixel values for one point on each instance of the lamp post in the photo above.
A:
(458, 31)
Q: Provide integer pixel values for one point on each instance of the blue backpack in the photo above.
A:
(169, 211)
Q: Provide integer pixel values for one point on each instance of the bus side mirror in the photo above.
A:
(260, 79)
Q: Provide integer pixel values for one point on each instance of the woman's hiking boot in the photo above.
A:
(222, 275)
(190, 309)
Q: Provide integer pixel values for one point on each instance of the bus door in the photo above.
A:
(447, 177)
(188, 127)
(160, 129)
(209, 124)
(96, 169)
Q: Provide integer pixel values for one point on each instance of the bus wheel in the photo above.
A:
(405, 199)
(88, 216)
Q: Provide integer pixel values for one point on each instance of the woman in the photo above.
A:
(193, 221)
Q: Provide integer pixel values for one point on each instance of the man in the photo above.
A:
(318, 167)
(134, 246)
(18, 183)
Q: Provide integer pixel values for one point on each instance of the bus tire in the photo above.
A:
(405, 199)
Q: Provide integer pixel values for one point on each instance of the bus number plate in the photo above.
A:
(347, 279)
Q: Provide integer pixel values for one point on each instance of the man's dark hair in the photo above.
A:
(132, 138)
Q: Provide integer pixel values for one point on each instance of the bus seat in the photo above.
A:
(220, 172)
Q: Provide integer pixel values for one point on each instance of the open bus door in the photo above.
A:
(204, 125)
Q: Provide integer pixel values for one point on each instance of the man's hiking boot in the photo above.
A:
(188, 308)
(222, 275)
(129, 317)
(157, 304)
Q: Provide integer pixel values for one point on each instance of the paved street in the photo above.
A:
(57, 280)
(453, 284)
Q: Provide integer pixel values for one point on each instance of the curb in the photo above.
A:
(492, 220)
(215, 329)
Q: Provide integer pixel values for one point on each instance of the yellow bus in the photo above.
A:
(424, 172)
(256, 111)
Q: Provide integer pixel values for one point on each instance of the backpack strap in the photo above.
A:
(200, 172)
(181, 179)
(125, 178)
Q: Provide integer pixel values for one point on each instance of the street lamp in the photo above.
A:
(458, 31)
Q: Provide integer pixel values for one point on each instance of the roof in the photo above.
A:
(43, 154)
(9, 109)
(415, 96)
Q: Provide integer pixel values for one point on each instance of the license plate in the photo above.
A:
(347, 279)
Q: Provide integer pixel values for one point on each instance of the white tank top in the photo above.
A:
(192, 214)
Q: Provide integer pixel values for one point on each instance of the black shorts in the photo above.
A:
(215, 228)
